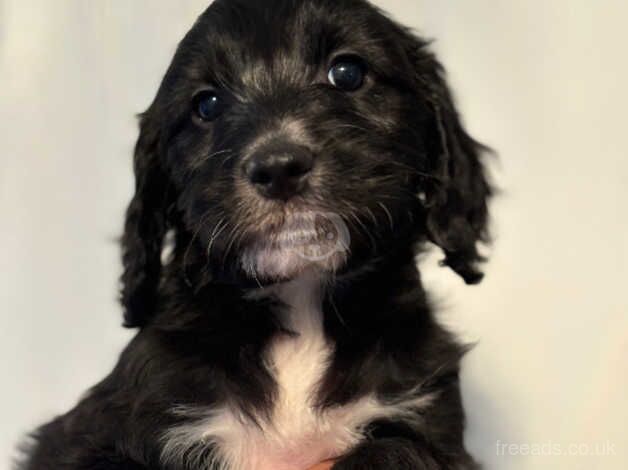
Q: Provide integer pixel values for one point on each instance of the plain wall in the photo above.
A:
(543, 82)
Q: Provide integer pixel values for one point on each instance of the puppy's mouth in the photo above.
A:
(303, 241)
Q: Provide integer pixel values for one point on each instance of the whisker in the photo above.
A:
(202, 160)
(218, 153)
(189, 247)
(351, 126)
(215, 232)
(254, 273)
(390, 217)
(373, 218)
(226, 160)
(416, 172)
(231, 238)
(364, 228)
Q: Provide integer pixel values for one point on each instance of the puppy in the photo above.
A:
(297, 156)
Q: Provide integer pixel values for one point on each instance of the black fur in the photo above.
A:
(392, 159)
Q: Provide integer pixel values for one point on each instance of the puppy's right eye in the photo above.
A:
(208, 105)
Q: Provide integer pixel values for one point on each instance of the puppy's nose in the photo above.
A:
(280, 172)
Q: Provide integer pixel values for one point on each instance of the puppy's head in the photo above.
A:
(289, 136)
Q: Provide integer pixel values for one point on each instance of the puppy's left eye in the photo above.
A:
(208, 105)
(347, 73)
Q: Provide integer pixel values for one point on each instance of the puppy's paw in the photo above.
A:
(387, 454)
(326, 465)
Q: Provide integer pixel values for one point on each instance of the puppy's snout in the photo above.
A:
(279, 172)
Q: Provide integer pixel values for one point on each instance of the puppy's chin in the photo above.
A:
(304, 242)
(278, 264)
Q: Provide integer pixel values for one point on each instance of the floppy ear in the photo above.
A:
(144, 230)
(456, 202)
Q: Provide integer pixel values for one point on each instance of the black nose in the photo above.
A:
(279, 172)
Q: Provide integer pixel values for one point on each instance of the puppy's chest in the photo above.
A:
(298, 434)
(295, 435)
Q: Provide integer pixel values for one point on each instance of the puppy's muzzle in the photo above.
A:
(279, 170)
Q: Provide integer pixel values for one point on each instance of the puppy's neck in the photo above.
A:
(300, 302)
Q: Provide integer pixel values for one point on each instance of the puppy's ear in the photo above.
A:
(456, 200)
(145, 228)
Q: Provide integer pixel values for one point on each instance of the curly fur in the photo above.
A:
(392, 161)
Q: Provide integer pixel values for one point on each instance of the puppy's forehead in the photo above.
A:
(251, 44)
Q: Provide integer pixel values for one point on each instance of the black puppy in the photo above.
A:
(297, 156)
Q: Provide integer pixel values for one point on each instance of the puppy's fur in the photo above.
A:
(252, 357)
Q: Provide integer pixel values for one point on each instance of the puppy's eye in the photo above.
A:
(347, 73)
(208, 105)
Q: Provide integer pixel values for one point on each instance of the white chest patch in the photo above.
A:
(297, 436)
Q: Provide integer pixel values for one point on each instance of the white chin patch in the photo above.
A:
(307, 241)
(272, 263)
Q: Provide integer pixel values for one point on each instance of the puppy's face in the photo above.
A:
(305, 135)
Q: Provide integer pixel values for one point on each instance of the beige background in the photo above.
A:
(544, 82)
